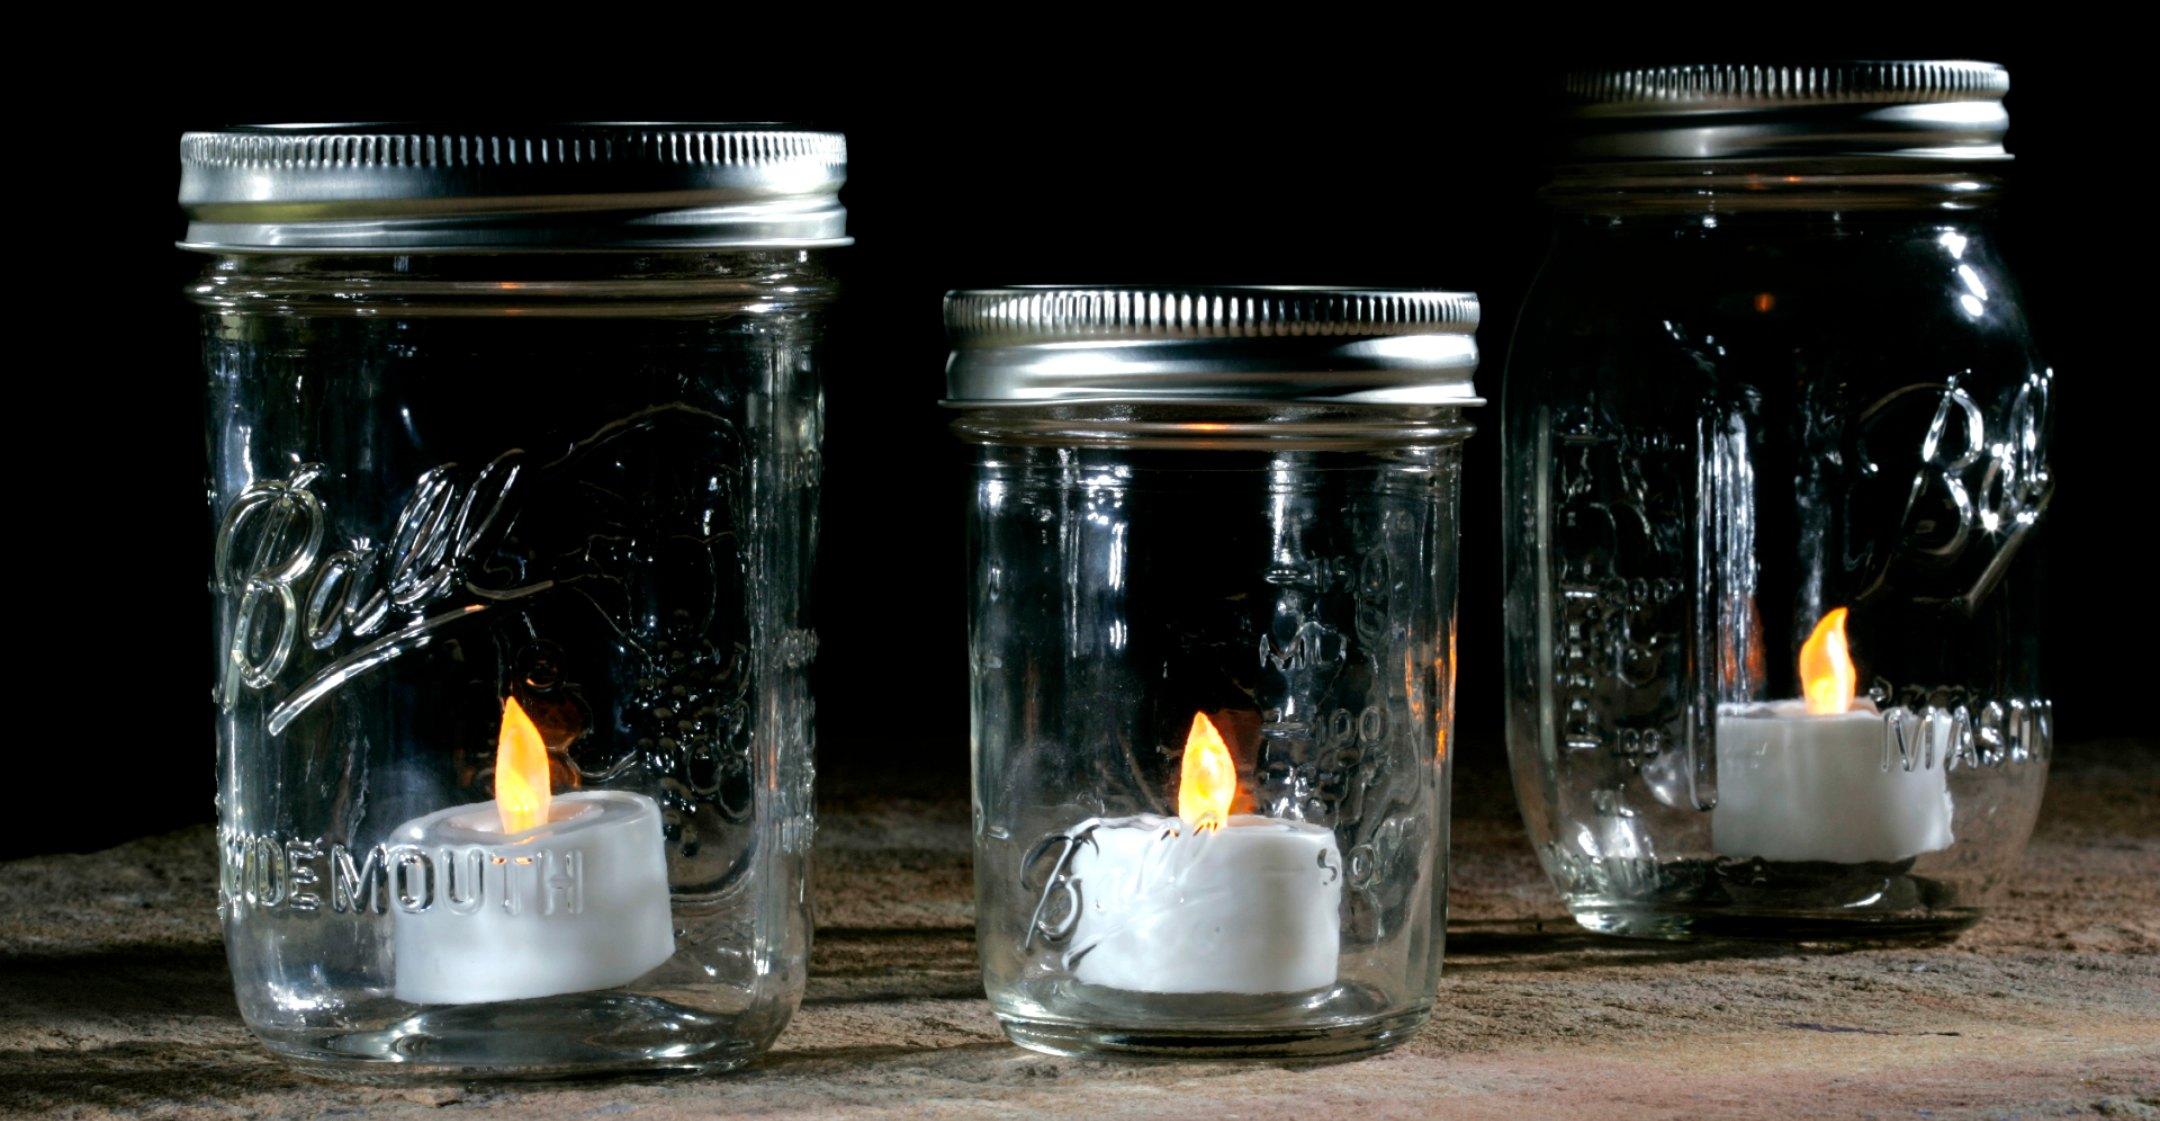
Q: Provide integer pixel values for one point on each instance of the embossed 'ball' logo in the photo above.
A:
(1964, 489)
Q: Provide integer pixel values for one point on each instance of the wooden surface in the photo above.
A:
(114, 1000)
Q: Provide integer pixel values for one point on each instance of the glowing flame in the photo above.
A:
(521, 771)
(1827, 679)
(1208, 781)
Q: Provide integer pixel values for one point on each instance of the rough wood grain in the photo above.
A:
(114, 1001)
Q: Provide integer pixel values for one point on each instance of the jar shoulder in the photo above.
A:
(1680, 310)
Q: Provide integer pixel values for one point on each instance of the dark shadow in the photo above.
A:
(786, 1060)
(847, 934)
(964, 986)
(163, 982)
(1530, 947)
(988, 1061)
(148, 1079)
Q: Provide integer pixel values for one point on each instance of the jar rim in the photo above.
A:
(1049, 345)
(418, 188)
(1934, 110)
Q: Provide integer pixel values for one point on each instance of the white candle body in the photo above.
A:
(579, 903)
(1796, 787)
(1253, 907)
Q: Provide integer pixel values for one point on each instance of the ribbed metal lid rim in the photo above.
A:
(1711, 85)
(416, 188)
(1013, 315)
(1056, 345)
(1910, 110)
(575, 144)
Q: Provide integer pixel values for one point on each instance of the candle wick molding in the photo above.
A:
(1207, 776)
(1828, 681)
(522, 780)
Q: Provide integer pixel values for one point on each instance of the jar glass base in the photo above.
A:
(556, 1037)
(1768, 900)
(1781, 926)
(1332, 1041)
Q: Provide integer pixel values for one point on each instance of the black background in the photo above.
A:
(1409, 159)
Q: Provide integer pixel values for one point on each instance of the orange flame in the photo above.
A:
(1207, 782)
(522, 792)
(1827, 678)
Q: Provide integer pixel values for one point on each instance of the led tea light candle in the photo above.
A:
(1206, 901)
(1811, 780)
(530, 895)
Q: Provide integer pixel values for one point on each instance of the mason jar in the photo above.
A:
(513, 465)
(1776, 443)
(1212, 562)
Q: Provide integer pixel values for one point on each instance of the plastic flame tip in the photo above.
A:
(1207, 781)
(1827, 679)
(522, 792)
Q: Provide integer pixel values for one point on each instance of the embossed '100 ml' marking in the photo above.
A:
(306, 877)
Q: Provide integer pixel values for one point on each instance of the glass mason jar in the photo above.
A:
(513, 453)
(1212, 552)
(1776, 446)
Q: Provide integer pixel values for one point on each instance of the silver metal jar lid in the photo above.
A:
(1055, 345)
(412, 188)
(1951, 110)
